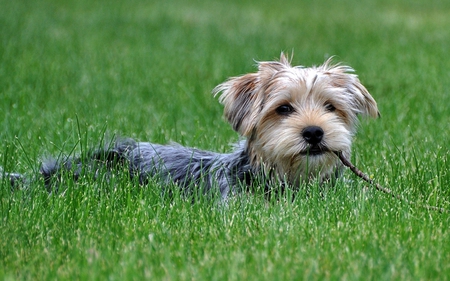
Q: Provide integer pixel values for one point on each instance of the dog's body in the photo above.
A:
(187, 167)
(293, 120)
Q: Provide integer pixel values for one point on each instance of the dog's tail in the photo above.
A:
(93, 162)
(15, 180)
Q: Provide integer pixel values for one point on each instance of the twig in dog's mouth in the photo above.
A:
(366, 178)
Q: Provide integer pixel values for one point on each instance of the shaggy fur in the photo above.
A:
(293, 119)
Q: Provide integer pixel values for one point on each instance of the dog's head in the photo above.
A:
(295, 117)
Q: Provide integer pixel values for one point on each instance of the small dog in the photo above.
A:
(293, 120)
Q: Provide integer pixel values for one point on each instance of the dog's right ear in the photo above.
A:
(240, 98)
(243, 96)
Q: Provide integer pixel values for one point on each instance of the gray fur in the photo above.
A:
(186, 167)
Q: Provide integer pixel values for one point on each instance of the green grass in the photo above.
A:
(72, 70)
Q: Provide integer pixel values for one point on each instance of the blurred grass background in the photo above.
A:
(145, 69)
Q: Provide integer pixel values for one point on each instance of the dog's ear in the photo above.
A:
(342, 77)
(242, 96)
(239, 97)
(364, 101)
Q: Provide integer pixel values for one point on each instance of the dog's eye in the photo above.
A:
(284, 109)
(329, 107)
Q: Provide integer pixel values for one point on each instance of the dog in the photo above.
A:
(292, 120)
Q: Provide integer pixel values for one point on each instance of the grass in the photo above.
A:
(72, 70)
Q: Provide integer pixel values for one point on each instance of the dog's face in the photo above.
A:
(295, 118)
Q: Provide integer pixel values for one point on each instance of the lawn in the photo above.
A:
(75, 72)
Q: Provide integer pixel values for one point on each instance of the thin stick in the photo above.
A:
(360, 174)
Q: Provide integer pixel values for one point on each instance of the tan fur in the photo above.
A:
(328, 96)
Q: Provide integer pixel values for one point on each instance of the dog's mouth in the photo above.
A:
(315, 150)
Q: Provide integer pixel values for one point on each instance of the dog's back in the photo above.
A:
(189, 168)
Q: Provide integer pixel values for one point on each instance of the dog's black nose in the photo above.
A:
(312, 134)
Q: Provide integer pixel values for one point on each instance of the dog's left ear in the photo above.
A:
(365, 102)
(342, 77)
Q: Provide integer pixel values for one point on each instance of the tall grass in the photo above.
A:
(73, 73)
